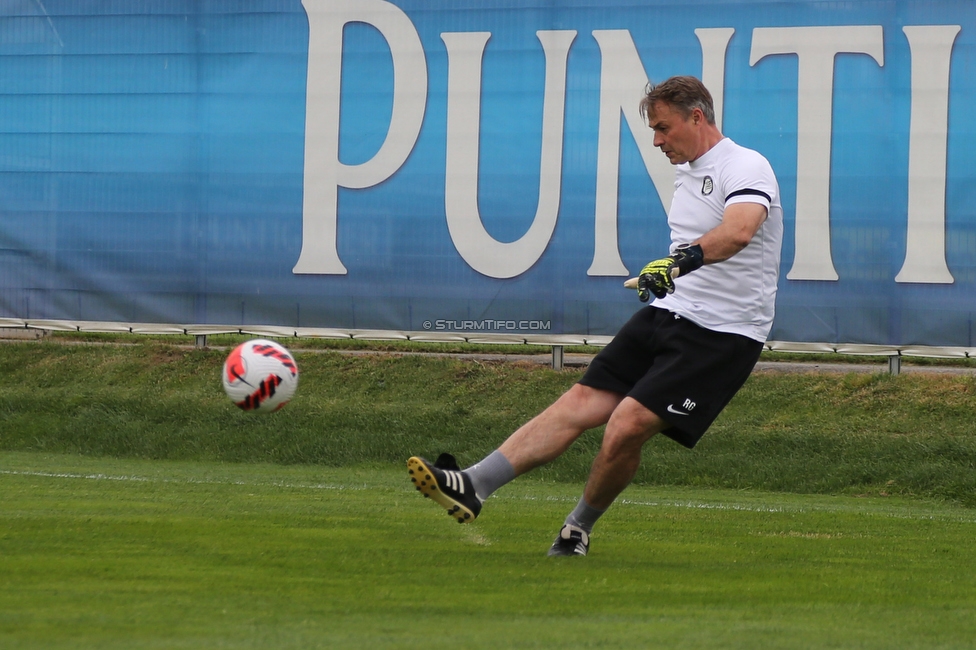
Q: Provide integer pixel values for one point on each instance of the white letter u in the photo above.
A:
(479, 249)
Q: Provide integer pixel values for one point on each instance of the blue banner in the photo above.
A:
(472, 166)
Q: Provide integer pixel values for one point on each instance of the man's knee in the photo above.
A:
(590, 407)
(632, 424)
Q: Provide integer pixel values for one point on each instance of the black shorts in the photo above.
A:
(683, 373)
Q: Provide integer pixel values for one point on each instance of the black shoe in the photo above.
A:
(570, 541)
(445, 483)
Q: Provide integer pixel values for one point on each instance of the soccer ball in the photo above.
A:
(260, 376)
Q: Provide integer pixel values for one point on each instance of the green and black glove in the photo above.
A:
(658, 276)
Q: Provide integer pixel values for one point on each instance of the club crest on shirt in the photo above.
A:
(707, 186)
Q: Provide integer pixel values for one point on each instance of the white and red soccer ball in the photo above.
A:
(260, 376)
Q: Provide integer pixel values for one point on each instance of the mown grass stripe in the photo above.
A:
(847, 505)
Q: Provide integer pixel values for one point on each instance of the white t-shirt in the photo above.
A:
(739, 294)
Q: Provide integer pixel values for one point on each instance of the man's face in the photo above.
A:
(677, 136)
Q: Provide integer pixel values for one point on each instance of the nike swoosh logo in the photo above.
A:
(671, 409)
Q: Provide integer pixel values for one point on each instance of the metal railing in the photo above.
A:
(557, 342)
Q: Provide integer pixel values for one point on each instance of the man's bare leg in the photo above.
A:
(614, 467)
(543, 438)
(540, 440)
(629, 427)
(546, 436)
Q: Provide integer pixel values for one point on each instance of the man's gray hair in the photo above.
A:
(683, 93)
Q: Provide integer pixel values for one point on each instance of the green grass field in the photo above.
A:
(102, 553)
(140, 509)
(910, 435)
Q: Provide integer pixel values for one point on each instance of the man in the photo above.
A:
(676, 364)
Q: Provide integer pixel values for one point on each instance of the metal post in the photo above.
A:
(557, 357)
(894, 364)
(201, 340)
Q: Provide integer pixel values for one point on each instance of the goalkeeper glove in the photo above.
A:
(658, 276)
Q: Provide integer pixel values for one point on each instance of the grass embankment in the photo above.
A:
(908, 435)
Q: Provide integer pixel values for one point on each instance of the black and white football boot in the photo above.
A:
(571, 541)
(445, 483)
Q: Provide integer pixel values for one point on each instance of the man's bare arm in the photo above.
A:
(740, 222)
